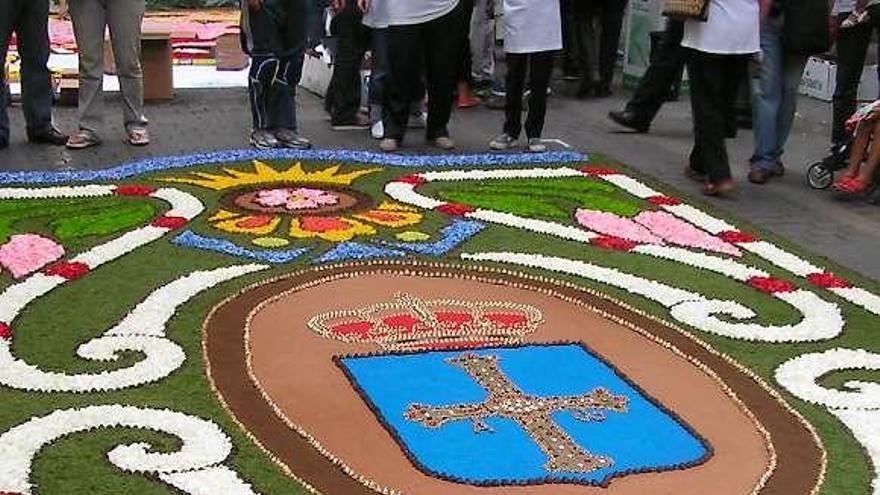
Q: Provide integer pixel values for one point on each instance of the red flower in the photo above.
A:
(613, 243)
(134, 190)
(736, 237)
(598, 171)
(68, 270)
(416, 180)
(5, 334)
(771, 285)
(828, 281)
(170, 223)
(455, 209)
(663, 200)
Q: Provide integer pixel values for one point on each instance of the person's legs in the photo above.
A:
(852, 46)
(36, 83)
(767, 95)
(444, 40)
(868, 171)
(792, 74)
(282, 93)
(664, 71)
(857, 151)
(8, 16)
(612, 14)
(89, 20)
(406, 43)
(345, 85)
(540, 70)
(124, 17)
(584, 35)
(517, 63)
(707, 73)
(482, 42)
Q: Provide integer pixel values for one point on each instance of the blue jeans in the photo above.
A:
(774, 94)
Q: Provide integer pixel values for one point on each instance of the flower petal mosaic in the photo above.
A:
(261, 323)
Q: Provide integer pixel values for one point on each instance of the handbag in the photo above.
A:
(687, 9)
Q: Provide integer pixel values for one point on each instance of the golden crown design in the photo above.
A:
(410, 323)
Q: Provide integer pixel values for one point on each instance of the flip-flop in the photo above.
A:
(138, 137)
(82, 140)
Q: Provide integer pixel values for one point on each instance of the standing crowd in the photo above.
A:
(429, 56)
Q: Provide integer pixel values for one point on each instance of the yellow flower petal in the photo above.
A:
(253, 225)
(387, 218)
(413, 236)
(333, 229)
(270, 242)
(264, 173)
(392, 206)
(223, 215)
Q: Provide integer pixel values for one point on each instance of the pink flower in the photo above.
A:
(610, 224)
(27, 253)
(680, 233)
(296, 199)
(654, 227)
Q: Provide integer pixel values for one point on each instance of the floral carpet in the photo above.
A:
(343, 322)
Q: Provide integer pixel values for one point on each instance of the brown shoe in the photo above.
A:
(759, 175)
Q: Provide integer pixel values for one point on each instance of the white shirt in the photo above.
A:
(734, 27)
(532, 26)
(384, 13)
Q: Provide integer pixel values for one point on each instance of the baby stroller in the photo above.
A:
(820, 175)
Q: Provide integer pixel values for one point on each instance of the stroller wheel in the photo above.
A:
(819, 177)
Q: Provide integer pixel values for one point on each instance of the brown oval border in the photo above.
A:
(800, 459)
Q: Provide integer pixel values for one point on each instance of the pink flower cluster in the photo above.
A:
(302, 198)
(654, 227)
(26, 253)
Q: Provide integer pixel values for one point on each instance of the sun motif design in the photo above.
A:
(275, 206)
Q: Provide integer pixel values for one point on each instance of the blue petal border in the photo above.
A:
(171, 162)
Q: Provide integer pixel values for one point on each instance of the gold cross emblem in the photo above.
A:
(533, 414)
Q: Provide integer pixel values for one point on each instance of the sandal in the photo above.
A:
(854, 186)
(82, 140)
(138, 137)
(719, 188)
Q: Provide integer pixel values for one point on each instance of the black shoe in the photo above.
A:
(49, 135)
(630, 120)
(603, 91)
(586, 90)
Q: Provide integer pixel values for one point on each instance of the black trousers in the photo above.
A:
(439, 44)
(28, 19)
(344, 92)
(275, 37)
(715, 81)
(852, 48)
(571, 40)
(665, 70)
(540, 68)
(610, 14)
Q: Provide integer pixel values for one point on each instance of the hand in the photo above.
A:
(365, 5)
(255, 4)
(338, 5)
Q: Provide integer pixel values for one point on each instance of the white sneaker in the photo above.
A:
(502, 142)
(378, 130)
(536, 145)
